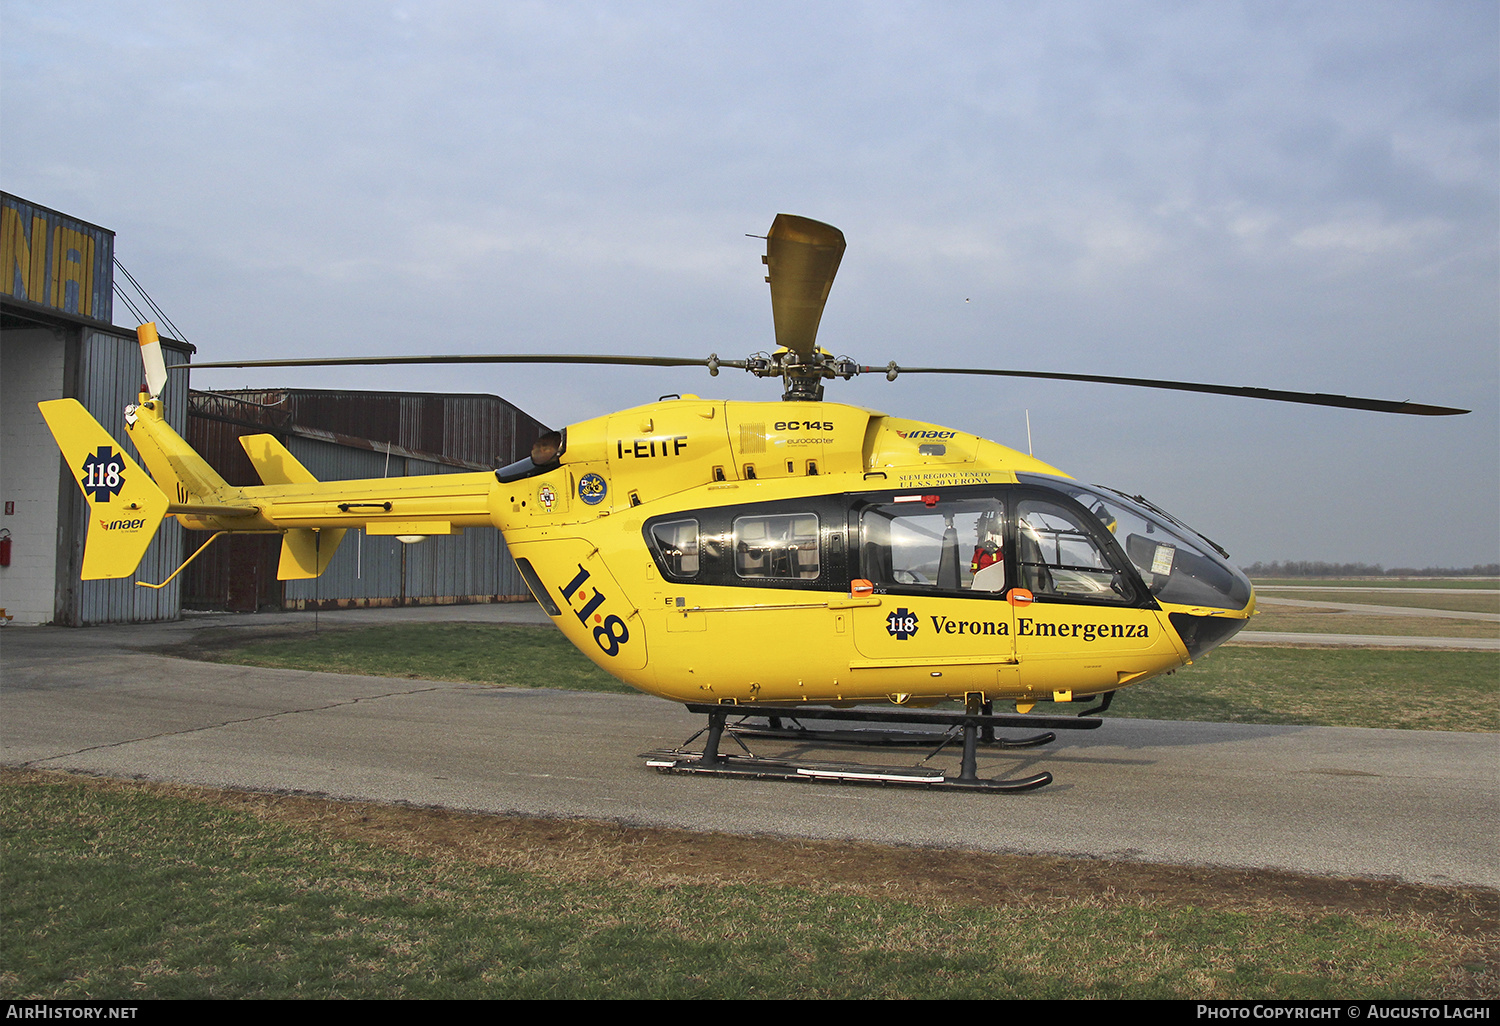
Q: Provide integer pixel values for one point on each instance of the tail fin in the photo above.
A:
(273, 462)
(125, 504)
(176, 466)
(305, 552)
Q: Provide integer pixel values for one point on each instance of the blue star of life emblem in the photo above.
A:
(103, 473)
(901, 624)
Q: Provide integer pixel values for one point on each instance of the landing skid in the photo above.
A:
(772, 769)
(974, 727)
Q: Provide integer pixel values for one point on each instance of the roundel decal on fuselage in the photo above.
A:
(592, 489)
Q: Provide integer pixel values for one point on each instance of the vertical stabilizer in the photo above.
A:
(306, 552)
(125, 506)
(273, 462)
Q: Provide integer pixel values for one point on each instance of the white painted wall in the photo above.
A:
(31, 369)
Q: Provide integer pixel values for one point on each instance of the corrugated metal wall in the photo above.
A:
(346, 435)
(109, 377)
(472, 431)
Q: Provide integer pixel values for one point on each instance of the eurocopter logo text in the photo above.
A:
(928, 434)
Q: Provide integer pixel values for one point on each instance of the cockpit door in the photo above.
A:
(938, 566)
(1089, 626)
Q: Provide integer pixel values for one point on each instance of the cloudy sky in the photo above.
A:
(1291, 195)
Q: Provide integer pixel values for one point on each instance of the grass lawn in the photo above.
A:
(120, 889)
(1468, 602)
(512, 655)
(1327, 687)
(1303, 620)
(1461, 583)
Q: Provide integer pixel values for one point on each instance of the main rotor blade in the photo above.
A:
(802, 256)
(375, 361)
(713, 363)
(1277, 395)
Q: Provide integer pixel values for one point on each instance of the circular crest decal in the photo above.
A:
(591, 489)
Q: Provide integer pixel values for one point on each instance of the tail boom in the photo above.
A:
(312, 516)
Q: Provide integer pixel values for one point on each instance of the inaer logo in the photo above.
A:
(927, 434)
(103, 474)
(122, 525)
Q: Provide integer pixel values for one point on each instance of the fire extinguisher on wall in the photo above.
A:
(4, 546)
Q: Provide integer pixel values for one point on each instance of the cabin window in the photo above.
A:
(953, 545)
(781, 546)
(676, 544)
(1059, 555)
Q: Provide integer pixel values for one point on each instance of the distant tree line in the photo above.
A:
(1304, 568)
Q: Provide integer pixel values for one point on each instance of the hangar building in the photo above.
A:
(57, 340)
(343, 435)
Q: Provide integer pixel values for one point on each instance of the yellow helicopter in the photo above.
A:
(783, 559)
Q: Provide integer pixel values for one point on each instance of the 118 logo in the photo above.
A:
(103, 473)
(610, 631)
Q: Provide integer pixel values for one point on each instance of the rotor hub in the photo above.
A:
(802, 373)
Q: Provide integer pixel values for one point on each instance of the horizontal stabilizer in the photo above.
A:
(211, 509)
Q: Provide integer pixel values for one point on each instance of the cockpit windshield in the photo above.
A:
(1178, 565)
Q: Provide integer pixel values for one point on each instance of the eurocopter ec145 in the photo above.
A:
(783, 559)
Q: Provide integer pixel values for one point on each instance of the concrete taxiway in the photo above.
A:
(1413, 805)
